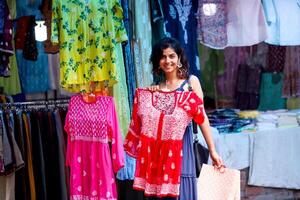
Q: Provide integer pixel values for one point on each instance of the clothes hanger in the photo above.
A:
(91, 97)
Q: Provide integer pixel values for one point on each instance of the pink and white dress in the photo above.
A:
(90, 128)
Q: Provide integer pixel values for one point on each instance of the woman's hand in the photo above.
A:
(216, 159)
(153, 88)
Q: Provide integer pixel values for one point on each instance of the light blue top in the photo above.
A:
(283, 21)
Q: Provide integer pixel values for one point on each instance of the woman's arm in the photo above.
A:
(205, 127)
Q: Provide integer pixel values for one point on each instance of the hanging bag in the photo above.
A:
(218, 185)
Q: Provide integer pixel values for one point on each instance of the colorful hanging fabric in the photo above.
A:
(90, 127)
(6, 47)
(87, 32)
(212, 20)
(181, 23)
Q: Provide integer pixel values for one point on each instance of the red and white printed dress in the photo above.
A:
(159, 120)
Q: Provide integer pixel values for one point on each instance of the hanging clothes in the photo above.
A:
(2, 14)
(283, 21)
(120, 93)
(157, 21)
(271, 92)
(6, 47)
(27, 8)
(33, 74)
(276, 58)
(157, 128)
(291, 73)
(247, 88)
(213, 65)
(181, 23)
(212, 20)
(246, 22)
(127, 53)
(142, 42)
(87, 45)
(234, 56)
(46, 9)
(90, 127)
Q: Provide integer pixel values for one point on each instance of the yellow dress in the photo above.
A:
(87, 31)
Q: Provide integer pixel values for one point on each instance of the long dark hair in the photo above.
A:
(157, 53)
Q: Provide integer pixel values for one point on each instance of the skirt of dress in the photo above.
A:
(188, 180)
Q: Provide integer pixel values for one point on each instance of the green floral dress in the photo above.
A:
(87, 31)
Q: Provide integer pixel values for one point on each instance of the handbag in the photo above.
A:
(215, 185)
(201, 156)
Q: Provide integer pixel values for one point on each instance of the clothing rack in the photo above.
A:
(36, 104)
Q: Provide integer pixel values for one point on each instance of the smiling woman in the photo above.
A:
(160, 134)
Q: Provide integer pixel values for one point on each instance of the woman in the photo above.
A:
(164, 141)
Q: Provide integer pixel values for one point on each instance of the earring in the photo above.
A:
(179, 65)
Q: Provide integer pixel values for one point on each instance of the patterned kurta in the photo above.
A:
(87, 31)
(159, 120)
(90, 126)
(211, 26)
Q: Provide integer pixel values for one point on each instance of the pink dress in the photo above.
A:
(90, 128)
(159, 120)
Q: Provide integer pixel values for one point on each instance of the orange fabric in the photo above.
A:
(29, 158)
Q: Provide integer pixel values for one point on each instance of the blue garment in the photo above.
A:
(25, 8)
(127, 172)
(188, 180)
(2, 14)
(181, 23)
(283, 21)
(128, 56)
(34, 75)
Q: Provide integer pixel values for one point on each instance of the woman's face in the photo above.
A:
(169, 60)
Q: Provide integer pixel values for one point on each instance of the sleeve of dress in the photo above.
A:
(117, 150)
(133, 135)
(55, 22)
(120, 31)
(67, 129)
(194, 106)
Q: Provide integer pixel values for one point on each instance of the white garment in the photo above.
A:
(283, 21)
(274, 158)
(246, 22)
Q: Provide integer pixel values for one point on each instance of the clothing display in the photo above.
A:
(270, 92)
(142, 42)
(157, 128)
(6, 35)
(87, 45)
(46, 9)
(291, 73)
(59, 139)
(90, 127)
(181, 23)
(33, 75)
(246, 22)
(282, 29)
(212, 20)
